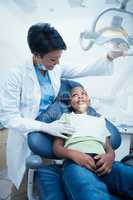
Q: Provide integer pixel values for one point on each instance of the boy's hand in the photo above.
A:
(104, 163)
(83, 159)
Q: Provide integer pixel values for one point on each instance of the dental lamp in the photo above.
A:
(114, 35)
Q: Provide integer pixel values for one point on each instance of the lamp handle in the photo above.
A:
(83, 37)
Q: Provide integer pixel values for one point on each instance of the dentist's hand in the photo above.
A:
(58, 129)
(114, 54)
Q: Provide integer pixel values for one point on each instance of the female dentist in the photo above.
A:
(30, 89)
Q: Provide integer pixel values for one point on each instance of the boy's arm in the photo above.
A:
(109, 148)
(105, 161)
(78, 157)
(59, 150)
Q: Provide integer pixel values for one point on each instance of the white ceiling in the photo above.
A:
(60, 9)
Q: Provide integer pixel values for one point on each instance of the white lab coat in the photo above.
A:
(20, 100)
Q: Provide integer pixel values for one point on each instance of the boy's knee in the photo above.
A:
(122, 169)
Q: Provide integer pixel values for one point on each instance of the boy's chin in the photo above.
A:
(82, 108)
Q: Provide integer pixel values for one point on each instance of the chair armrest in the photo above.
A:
(128, 159)
(34, 162)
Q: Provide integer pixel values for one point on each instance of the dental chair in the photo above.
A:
(41, 144)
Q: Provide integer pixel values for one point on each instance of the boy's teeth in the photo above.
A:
(81, 102)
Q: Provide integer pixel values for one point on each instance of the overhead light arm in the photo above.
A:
(85, 35)
(108, 10)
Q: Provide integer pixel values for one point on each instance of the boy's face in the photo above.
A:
(79, 100)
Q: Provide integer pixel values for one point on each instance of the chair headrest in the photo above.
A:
(65, 89)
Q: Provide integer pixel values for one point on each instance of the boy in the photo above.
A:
(91, 136)
(89, 169)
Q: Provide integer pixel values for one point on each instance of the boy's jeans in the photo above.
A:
(82, 184)
(49, 183)
(51, 187)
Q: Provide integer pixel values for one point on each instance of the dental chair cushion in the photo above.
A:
(41, 143)
(128, 159)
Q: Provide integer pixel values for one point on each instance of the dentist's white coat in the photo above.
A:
(20, 100)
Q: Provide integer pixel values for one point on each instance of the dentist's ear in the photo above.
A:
(37, 59)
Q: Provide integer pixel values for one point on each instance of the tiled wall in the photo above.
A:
(7, 190)
(5, 184)
(3, 136)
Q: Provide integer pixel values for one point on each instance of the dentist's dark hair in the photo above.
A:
(42, 39)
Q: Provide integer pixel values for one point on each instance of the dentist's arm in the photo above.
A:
(102, 67)
(11, 117)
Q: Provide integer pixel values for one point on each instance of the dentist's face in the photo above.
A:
(79, 100)
(49, 60)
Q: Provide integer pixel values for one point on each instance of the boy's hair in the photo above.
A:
(42, 39)
(77, 86)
